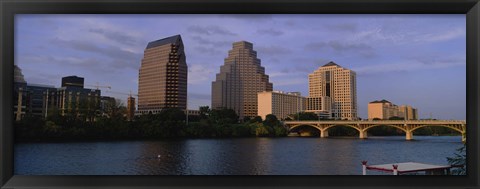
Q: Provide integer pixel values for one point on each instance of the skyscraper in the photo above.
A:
(240, 79)
(340, 85)
(162, 79)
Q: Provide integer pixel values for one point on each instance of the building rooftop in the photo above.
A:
(40, 85)
(164, 41)
(331, 63)
(381, 101)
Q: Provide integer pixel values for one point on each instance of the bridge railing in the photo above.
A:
(377, 121)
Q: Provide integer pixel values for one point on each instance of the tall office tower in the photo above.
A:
(340, 85)
(162, 79)
(239, 81)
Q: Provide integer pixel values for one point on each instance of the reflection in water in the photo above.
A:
(240, 156)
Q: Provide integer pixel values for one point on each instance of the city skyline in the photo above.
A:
(389, 53)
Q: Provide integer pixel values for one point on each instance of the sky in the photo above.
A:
(418, 60)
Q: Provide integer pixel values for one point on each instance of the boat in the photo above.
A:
(409, 168)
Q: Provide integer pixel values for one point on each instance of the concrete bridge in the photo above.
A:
(408, 126)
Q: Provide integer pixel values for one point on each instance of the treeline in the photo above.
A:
(169, 123)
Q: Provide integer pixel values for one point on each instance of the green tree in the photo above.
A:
(261, 131)
(204, 112)
(305, 116)
(271, 120)
(460, 161)
(223, 116)
(396, 118)
(256, 119)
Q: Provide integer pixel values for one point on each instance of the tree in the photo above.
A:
(256, 119)
(114, 109)
(396, 118)
(304, 116)
(271, 120)
(460, 161)
(223, 116)
(204, 112)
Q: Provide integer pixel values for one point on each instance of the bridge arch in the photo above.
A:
(339, 125)
(446, 126)
(395, 126)
(299, 125)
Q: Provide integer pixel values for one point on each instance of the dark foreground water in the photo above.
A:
(245, 156)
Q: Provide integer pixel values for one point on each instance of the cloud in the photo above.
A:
(210, 30)
(378, 34)
(443, 36)
(272, 50)
(204, 41)
(343, 27)
(119, 37)
(199, 96)
(290, 81)
(249, 17)
(119, 58)
(198, 73)
(208, 50)
(290, 23)
(339, 47)
(270, 31)
(42, 78)
(410, 65)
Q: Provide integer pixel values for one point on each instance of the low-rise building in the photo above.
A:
(383, 109)
(280, 104)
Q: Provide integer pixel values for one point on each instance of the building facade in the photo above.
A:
(280, 104)
(383, 109)
(162, 78)
(340, 85)
(240, 79)
(73, 81)
(320, 106)
(408, 112)
(130, 108)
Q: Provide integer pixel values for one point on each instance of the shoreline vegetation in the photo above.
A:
(171, 124)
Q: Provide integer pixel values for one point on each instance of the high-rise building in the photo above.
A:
(280, 104)
(162, 78)
(240, 79)
(338, 83)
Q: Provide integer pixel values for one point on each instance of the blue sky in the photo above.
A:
(419, 60)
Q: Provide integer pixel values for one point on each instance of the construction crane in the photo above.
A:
(97, 86)
(130, 106)
(129, 94)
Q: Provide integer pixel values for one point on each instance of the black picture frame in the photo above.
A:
(8, 9)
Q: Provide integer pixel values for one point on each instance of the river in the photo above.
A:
(238, 156)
